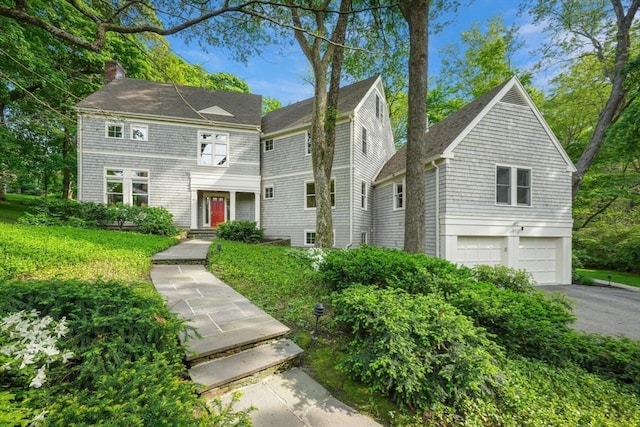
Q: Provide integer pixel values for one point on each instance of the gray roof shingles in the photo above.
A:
(167, 100)
(299, 114)
(442, 134)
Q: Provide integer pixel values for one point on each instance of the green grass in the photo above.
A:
(15, 206)
(631, 279)
(29, 252)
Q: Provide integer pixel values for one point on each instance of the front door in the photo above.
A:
(217, 210)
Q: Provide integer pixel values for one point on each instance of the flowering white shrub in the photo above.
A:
(316, 256)
(29, 341)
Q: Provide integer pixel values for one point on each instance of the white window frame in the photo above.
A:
(307, 234)
(114, 125)
(364, 195)
(364, 238)
(268, 145)
(128, 179)
(306, 195)
(378, 106)
(266, 191)
(364, 140)
(307, 143)
(214, 143)
(143, 129)
(403, 197)
(513, 186)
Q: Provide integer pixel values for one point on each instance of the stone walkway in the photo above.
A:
(238, 340)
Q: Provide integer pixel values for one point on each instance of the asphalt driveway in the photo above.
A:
(604, 310)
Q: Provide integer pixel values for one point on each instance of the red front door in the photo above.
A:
(217, 210)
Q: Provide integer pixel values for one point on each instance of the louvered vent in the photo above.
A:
(514, 97)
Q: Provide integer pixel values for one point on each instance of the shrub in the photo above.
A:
(607, 247)
(240, 231)
(155, 220)
(417, 349)
(370, 265)
(504, 277)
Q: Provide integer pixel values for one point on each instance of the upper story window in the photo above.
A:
(378, 107)
(213, 149)
(308, 144)
(363, 195)
(513, 186)
(310, 194)
(268, 192)
(115, 130)
(398, 195)
(364, 140)
(127, 186)
(268, 145)
(139, 132)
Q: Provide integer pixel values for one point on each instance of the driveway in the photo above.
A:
(604, 310)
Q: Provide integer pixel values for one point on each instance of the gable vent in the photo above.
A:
(514, 97)
(216, 110)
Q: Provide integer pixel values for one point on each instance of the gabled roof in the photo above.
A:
(145, 98)
(444, 136)
(299, 114)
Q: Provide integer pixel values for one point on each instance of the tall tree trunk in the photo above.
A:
(67, 142)
(616, 101)
(416, 13)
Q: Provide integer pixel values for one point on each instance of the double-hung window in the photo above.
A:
(310, 194)
(127, 186)
(307, 143)
(513, 186)
(398, 195)
(363, 195)
(213, 149)
(364, 140)
(115, 130)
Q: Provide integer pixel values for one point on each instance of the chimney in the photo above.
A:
(113, 71)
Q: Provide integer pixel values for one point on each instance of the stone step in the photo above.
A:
(219, 372)
(239, 336)
(202, 234)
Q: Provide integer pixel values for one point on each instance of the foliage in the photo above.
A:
(504, 277)
(240, 231)
(417, 349)
(127, 366)
(155, 220)
(36, 252)
(631, 279)
(372, 265)
(609, 247)
(313, 257)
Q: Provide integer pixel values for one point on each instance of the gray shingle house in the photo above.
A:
(498, 181)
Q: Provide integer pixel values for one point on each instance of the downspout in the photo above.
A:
(437, 168)
(351, 198)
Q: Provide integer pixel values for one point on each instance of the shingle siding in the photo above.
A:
(388, 223)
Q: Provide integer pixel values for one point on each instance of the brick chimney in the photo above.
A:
(113, 71)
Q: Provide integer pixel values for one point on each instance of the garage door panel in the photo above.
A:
(539, 256)
(480, 250)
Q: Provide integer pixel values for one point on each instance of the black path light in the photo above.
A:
(318, 311)
(219, 247)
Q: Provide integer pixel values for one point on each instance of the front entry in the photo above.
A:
(218, 207)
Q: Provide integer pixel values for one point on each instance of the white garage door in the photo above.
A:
(539, 256)
(480, 250)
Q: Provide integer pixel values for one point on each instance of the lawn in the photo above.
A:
(14, 207)
(631, 279)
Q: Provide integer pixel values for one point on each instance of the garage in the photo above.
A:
(539, 256)
(474, 250)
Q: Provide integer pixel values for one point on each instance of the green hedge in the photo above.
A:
(240, 231)
(608, 248)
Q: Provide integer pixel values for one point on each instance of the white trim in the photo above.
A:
(127, 179)
(305, 173)
(513, 186)
(264, 145)
(213, 143)
(304, 238)
(335, 193)
(364, 140)
(364, 197)
(297, 129)
(395, 194)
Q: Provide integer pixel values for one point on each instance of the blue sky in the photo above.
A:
(283, 72)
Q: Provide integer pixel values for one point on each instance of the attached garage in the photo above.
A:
(539, 256)
(474, 250)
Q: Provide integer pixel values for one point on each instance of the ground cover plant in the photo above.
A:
(631, 279)
(80, 350)
(14, 207)
(536, 370)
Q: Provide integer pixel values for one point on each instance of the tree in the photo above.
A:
(416, 13)
(602, 30)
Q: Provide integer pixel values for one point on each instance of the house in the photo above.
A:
(498, 181)
(498, 189)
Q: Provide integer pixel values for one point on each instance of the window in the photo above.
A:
(363, 195)
(378, 109)
(115, 130)
(212, 149)
(398, 195)
(310, 194)
(364, 140)
(268, 192)
(139, 132)
(506, 192)
(308, 144)
(268, 145)
(363, 238)
(309, 238)
(127, 186)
